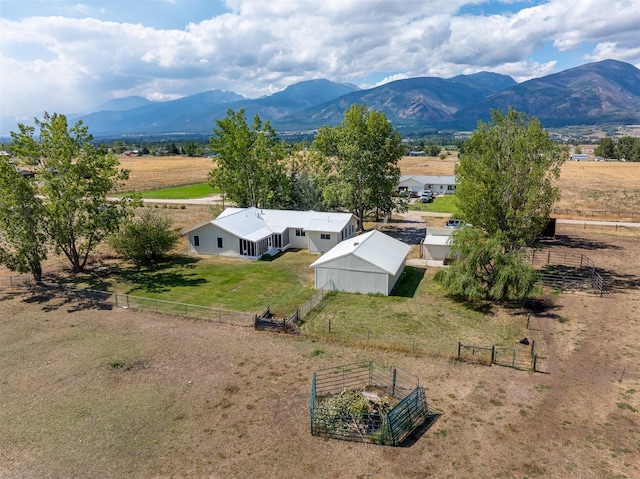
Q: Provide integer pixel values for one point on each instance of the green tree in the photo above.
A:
(606, 148)
(363, 154)
(191, 148)
(145, 239)
(75, 179)
(505, 178)
(432, 150)
(628, 147)
(250, 162)
(486, 268)
(505, 189)
(22, 234)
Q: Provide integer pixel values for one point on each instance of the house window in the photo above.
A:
(219, 242)
(196, 240)
(451, 187)
(300, 232)
(325, 236)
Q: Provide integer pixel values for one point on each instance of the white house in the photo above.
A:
(370, 263)
(579, 157)
(252, 232)
(435, 245)
(439, 185)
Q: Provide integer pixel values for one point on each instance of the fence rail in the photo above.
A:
(522, 357)
(594, 213)
(315, 300)
(583, 276)
(389, 427)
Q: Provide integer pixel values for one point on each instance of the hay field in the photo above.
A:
(611, 187)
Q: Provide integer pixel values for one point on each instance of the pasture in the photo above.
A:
(89, 390)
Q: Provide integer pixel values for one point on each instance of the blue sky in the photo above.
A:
(69, 56)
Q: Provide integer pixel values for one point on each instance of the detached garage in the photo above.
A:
(370, 263)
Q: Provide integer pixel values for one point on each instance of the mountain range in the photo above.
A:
(602, 92)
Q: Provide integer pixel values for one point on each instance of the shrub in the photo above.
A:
(145, 239)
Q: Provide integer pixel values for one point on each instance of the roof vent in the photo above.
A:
(356, 243)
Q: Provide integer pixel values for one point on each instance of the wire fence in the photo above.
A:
(591, 214)
(315, 300)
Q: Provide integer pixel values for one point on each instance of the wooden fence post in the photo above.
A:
(458, 349)
(493, 354)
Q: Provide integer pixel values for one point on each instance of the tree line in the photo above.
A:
(505, 190)
(349, 167)
(625, 148)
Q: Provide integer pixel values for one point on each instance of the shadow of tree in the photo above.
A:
(578, 242)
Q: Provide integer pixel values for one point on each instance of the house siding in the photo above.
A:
(208, 236)
(318, 245)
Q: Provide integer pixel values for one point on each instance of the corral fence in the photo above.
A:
(388, 426)
(268, 321)
(567, 271)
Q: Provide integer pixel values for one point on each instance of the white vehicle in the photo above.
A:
(454, 223)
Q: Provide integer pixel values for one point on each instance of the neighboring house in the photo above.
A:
(439, 185)
(370, 263)
(435, 245)
(252, 232)
(579, 157)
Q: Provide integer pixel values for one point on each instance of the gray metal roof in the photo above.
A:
(374, 247)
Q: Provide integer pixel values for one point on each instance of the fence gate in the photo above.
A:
(520, 357)
(475, 354)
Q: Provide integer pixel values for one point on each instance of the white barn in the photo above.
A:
(436, 244)
(439, 185)
(252, 232)
(370, 263)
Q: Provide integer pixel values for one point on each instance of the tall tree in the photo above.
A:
(250, 162)
(606, 148)
(75, 179)
(22, 235)
(505, 190)
(363, 153)
(505, 178)
(628, 147)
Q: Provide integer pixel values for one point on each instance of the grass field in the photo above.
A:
(199, 190)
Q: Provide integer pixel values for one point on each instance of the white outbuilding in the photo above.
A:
(436, 244)
(370, 263)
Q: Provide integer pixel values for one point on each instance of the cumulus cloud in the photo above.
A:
(258, 47)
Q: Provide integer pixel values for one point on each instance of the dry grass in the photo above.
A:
(111, 393)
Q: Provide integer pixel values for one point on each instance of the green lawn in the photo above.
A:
(418, 318)
(440, 204)
(198, 190)
(240, 285)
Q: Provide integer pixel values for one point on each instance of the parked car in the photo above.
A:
(425, 198)
(454, 223)
(413, 194)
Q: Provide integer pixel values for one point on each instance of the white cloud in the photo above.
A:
(259, 47)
